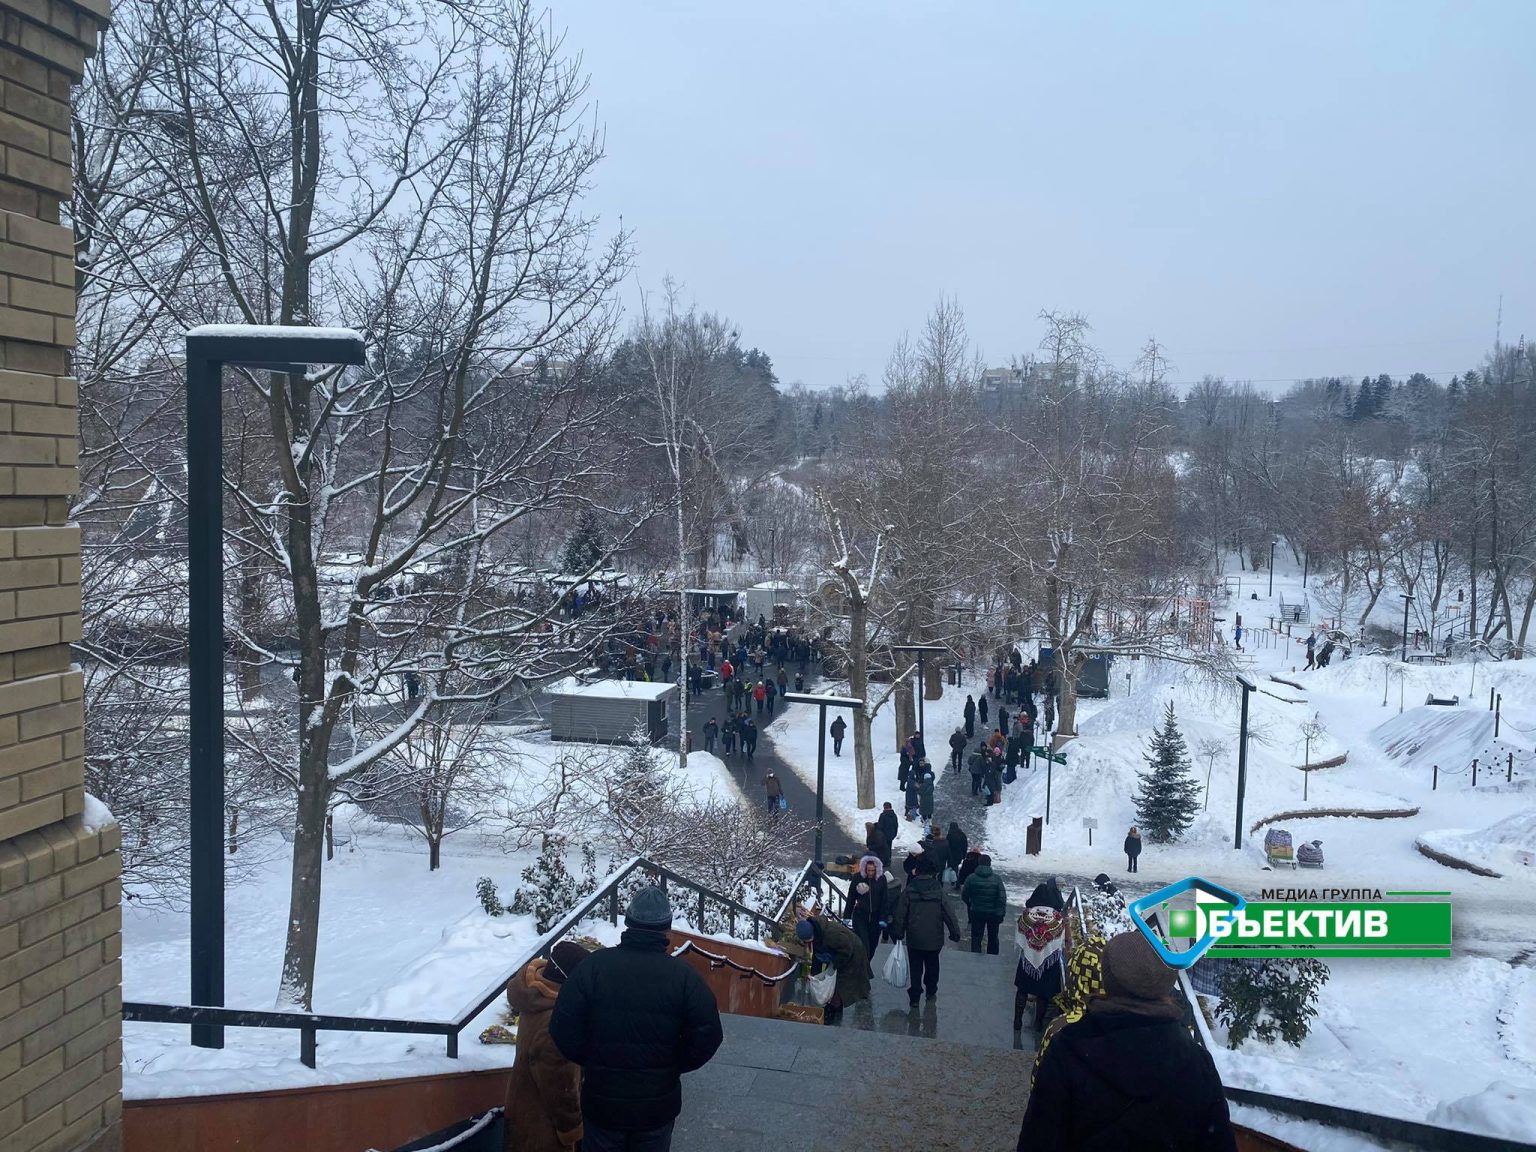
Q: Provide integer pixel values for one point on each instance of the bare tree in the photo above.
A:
(418, 171)
(444, 777)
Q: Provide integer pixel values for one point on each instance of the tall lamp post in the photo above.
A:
(1248, 687)
(853, 704)
(922, 651)
(1407, 600)
(278, 349)
(1272, 543)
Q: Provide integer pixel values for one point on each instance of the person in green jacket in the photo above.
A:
(986, 899)
(833, 944)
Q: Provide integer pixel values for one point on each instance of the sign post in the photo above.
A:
(1090, 823)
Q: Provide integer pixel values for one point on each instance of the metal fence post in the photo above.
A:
(1474, 771)
(307, 1046)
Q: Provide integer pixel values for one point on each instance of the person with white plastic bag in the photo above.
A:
(921, 919)
(834, 946)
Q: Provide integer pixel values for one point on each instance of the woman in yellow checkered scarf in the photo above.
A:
(1084, 982)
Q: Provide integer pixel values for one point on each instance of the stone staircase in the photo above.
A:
(945, 1076)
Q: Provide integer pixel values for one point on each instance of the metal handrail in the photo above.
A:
(813, 874)
(309, 1024)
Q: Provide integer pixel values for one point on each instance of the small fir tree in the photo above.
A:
(549, 890)
(584, 548)
(1169, 797)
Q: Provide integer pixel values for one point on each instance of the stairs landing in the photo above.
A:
(944, 1077)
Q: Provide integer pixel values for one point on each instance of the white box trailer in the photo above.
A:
(763, 599)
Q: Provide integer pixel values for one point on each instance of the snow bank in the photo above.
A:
(1506, 846)
(1501, 1109)
(1365, 1047)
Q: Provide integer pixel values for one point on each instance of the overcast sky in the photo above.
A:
(1273, 190)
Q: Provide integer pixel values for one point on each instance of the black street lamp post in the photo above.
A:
(1272, 543)
(1407, 600)
(922, 651)
(823, 702)
(209, 349)
(1248, 687)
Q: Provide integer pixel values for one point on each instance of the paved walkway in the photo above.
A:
(802, 799)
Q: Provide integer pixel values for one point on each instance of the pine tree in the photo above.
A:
(1169, 796)
(585, 546)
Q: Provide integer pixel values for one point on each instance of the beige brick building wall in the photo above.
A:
(60, 942)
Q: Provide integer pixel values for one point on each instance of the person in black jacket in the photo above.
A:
(635, 1018)
(1127, 1076)
(971, 862)
(981, 711)
(920, 919)
(970, 717)
(865, 906)
(889, 823)
(876, 843)
(935, 848)
(838, 729)
(959, 843)
(1132, 848)
(957, 740)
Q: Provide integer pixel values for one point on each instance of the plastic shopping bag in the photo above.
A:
(897, 969)
(951, 876)
(783, 803)
(821, 986)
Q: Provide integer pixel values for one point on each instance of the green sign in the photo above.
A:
(1319, 929)
(1047, 754)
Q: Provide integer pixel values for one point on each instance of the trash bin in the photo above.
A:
(1032, 836)
(954, 675)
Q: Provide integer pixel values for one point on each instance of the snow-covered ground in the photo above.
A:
(1471, 1029)
(793, 734)
(396, 940)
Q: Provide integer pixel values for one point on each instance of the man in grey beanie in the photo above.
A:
(635, 1018)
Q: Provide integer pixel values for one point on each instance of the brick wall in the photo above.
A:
(60, 942)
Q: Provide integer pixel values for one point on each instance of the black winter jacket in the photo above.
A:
(959, 843)
(889, 824)
(936, 851)
(1124, 1081)
(922, 915)
(635, 1019)
(865, 907)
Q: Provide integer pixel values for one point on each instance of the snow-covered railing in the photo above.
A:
(310, 1024)
(813, 875)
